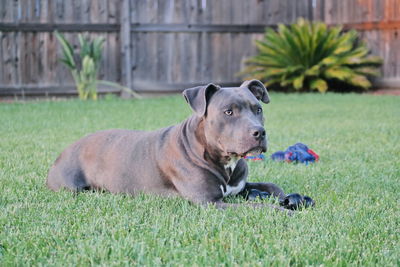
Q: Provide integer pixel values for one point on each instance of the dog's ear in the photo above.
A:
(258, 89)
(198, 97)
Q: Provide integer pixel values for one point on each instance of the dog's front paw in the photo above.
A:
(296, 201)
(254, 193)
(308, 202)
(292, 201)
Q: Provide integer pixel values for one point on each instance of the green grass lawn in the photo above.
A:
(356, 186)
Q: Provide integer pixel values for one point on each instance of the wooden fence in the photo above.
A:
(378, 22)
(167, 45)
(29, 51)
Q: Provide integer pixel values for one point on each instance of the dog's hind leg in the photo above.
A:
(68, 176)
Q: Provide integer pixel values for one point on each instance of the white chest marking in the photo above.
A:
(231, 164)
(233, 190)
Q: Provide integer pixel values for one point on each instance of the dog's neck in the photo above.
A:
(210, 152)
(200, 148)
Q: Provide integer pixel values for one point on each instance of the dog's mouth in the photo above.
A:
(251, 152)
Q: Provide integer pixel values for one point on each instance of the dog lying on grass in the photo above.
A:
(200, 159)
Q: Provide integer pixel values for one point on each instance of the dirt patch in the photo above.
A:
(386, 92)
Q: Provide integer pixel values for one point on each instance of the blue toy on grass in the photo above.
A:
(297, 153)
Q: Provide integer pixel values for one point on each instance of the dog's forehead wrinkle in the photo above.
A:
(233, 98)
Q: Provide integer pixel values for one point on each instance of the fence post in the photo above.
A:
(125, 37)
(311, 9)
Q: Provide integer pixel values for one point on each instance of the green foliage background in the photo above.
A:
(310, 56)
(85, 71)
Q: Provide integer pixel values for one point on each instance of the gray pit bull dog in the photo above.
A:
(200, 159)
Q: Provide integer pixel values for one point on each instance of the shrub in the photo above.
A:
(311, 56)
(85, 76)
(86, 72)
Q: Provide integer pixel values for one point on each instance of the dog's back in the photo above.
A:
(116, 160)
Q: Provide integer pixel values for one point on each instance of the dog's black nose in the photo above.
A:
(258, 133)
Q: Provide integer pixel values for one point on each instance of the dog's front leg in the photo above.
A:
(272, 189)
(290, 201)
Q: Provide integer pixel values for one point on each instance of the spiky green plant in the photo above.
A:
(85, 77)
(309, 55)
(85, 74)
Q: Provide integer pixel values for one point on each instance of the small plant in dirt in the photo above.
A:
(311, 56)
(84, 74)
(85, 70)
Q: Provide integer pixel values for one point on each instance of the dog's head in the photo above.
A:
(233, 117)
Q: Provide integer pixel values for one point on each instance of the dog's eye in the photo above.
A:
(228, 112)
(259, 110)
